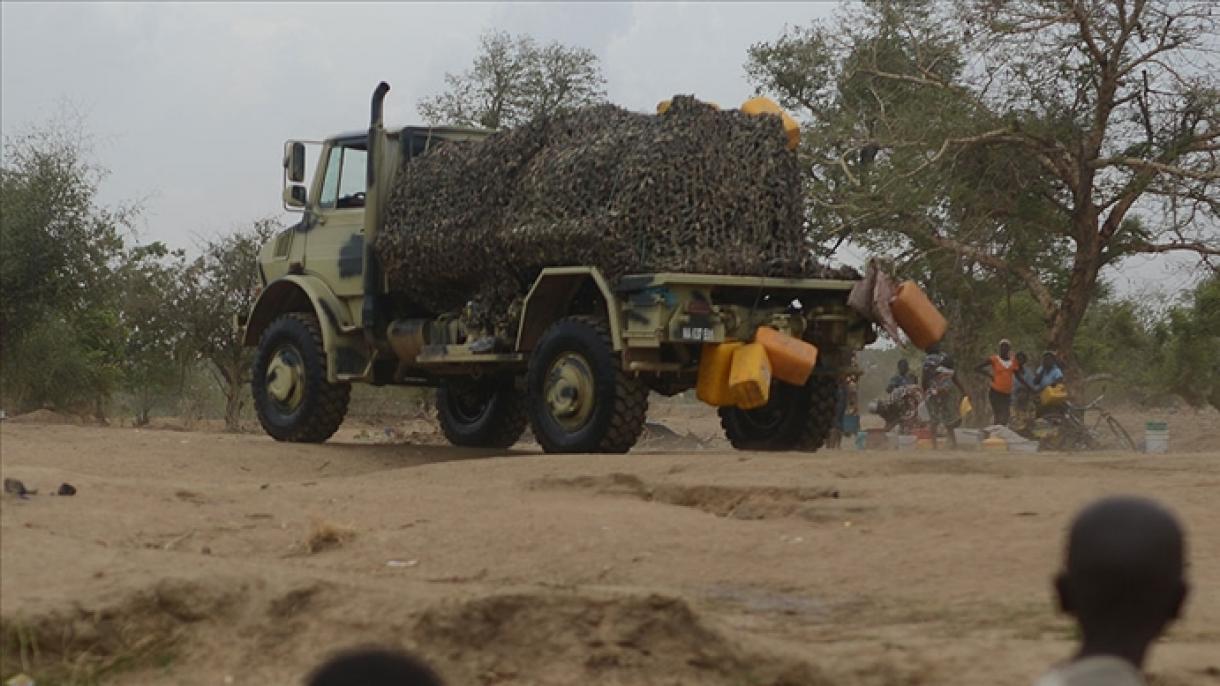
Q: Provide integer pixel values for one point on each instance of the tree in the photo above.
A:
(156, 348)
(1042, 141)
(513, 80)
(1192, 367)
(60, 339)
(218, 285)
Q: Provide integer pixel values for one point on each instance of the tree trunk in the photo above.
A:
(1067, 318)
(234, 385)
(99, 411)
(233, 408)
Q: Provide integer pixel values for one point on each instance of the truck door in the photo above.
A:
(335, 251)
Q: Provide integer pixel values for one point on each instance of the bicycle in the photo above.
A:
(1071, 431)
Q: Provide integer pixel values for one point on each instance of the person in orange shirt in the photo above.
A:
(1001, 369)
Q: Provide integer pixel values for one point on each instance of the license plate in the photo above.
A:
(697, 333)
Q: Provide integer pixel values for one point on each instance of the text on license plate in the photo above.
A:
(697, 333)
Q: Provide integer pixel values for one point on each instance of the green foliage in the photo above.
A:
(157, 347)
(1192, 366)
(515, 79)
(65, 363)
(1016, 137)
(60, 330)
(217, 286)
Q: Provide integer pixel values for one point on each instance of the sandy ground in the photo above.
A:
(207, 558)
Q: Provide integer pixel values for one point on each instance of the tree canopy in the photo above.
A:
(60, 334)
(1037, 141)
(514, 79)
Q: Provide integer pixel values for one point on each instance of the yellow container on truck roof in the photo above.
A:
(761, 105)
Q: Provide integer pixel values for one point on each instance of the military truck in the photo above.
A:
(587, 351)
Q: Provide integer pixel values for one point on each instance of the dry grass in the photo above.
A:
(324, 535)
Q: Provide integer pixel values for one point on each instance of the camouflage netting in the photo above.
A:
(468, 226)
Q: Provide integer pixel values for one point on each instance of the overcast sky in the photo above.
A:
(190, 103)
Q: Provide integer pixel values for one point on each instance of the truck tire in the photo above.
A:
(293, 399)
(485, 414)
(579, 398)
(796, 418)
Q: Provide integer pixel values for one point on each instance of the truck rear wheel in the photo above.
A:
(489, 413)
(294, 400)
(796, 418)
(579, 398)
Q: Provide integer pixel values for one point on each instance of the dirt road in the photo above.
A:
(203, 558)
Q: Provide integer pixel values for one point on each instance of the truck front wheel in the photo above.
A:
(294, 400)
(579, 398)
(796, 418)
(489, 413)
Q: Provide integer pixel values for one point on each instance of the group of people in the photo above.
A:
(1122, 580)
(1015, 384)
(930, 400)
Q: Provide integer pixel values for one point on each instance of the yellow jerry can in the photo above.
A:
(792, 360)
(761, 105)
(918, 317)
(715, 363)
(995, 444)
(1053, 396)
(750, 377)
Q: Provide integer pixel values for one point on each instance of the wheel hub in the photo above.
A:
(569, 391)
(285, 378)
(470, 403)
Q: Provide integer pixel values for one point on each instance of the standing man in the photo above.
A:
(1000, 369)
(850, 422)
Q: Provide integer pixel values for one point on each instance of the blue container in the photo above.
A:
(851, 424)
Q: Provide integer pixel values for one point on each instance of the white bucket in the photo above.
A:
(1157, 442)
(1156, 437)
(968, 439)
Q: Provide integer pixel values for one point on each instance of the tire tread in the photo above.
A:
(331, 399)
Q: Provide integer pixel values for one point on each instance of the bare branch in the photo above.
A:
(1185, 246)
(1040, 292)
(1086, 32)
(1155, 167)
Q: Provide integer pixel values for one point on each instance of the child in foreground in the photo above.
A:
(1123, 582)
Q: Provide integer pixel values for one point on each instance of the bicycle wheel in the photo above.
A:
(1124, 438)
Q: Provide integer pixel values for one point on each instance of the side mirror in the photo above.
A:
(294, 161)
(294, 196)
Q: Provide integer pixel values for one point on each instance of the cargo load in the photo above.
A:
(469, 226)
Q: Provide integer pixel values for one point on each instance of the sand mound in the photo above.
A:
(50, 417)
(549, 639)
(82, 645)
(737, 502)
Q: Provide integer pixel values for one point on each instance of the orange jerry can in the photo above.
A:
(792, 359)
(715, 363)
(761, 105)
(750, 376)
(917, 316)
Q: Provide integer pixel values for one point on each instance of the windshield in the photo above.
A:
(343, 185)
